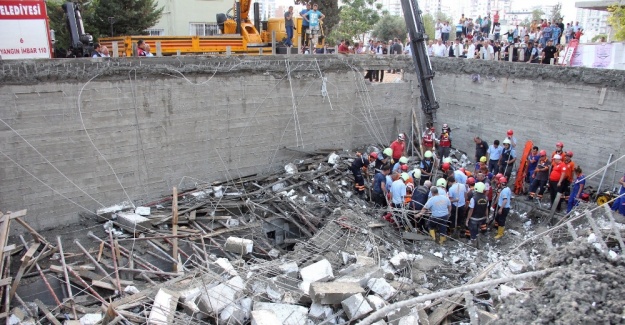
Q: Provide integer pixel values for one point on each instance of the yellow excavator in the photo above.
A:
(239, 35)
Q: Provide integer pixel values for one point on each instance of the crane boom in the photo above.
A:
(416, 32)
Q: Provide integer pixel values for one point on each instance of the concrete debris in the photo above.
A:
(286, 314)
(264, 317)
(215, 299)
(239, 246)
(356, 307)
(163, 308)
(381, 287)
(376, 302)
(331, 293)
(319, 311)
(320, 271)
(290, 169)
(133, 221)
(91, 319)
(143, 211)
(400, 260)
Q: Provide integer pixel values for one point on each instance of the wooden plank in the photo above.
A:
(227, 230)
(174, 228)
(25, 263)
(47, 312)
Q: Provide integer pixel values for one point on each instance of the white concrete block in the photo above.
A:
(362, 275)
(133, 221)
(400, 260)
(91, 319)
(331, 293)
(376, 302)
(264, 317)
(409, 320)
(220, 296)
(239, 246)
(289, 268)
(142, 211)
(516, 266)
(381, 287)
(505, 291)
(316, 272)
(163, 308)
(285, 313)
(356, 306)
(224, 267)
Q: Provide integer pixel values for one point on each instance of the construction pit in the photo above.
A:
(263, 225)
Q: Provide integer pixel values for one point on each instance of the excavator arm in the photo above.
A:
(416, 32)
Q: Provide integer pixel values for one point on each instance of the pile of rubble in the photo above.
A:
(289, 248)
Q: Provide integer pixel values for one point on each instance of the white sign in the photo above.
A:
(25, 33)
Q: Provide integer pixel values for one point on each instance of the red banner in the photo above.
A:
(25, 9)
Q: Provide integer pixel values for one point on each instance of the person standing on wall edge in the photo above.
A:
(305, 27)
(288, 25)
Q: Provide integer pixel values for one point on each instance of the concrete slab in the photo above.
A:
(319, 311)
(264, 317)
(220, 296)
(240, 246)
(376, 302)
(224, 267)
(356, 307)
(134, 221)
(316, 272)
(381, 287)
(91, 319)
(285, 313)
(362, 275)
(330, 293)
(163, 308)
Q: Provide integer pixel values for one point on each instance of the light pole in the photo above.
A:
(112, 21)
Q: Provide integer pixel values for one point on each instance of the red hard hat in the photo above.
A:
(503, 180)
(446, 166)
(498, 176)
(510, 132)
(373, 155)
(560, 144)
(543, 153)
(570, 154)
(404, 167)
(470, 181)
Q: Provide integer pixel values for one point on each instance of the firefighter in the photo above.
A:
(440, 207)
(568, 179)
(559, 151)
(379, 186)
(418, 200)
(505, 196)
(556, 179)
(399, 147)
(402, 161)
(578, 189)
(444, 141)
(427, 167)
(540, 177)
(383, 159)
(359, 165)
(478, 212)
(511, 138)
(429, 138)
(507, 159)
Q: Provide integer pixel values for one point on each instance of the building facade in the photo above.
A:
(189, 17)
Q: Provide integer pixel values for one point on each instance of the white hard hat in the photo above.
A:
(557, 157)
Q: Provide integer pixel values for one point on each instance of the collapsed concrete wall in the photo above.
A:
(581, 107)
(79, 135)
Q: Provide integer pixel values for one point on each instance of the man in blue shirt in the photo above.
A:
(503, 206)
(578, 189)
(379, 186)
(493, 154)
(440, 207)
(457, 196)
(314, 17)
(304, 26)
(532, 162)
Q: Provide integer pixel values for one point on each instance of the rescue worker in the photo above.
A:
(468, 197)
(398, 196)
(559, 151)
(532, 161)
(379, 186)
(619, 203)
(540, 177)
(444, 142)
(384, 159)
(478, 212)
(399, 147)
(497, 188)
(505, 196)
(460, 176)
(482, 166)
(578, 189)
(402, 161)
(427, 167)
(417, 202)
(493, 154)
(440, 207)
(568, 179)
(441, 183)
(556, 179)
(358, 166)
(457, 197)
(429, 138)
(507, 159)
(509, 136)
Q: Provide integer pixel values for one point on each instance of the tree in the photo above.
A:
(390, 27)
(556, 12)
(598, 37)
(617, 21)
(537, 15)
(330, 8)
(132, 17)
(429, 23)
(356, 19)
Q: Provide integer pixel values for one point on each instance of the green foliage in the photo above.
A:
(617, 21)
(356, 19)
(556, 12)
(390, 27)
(598, 37)
(132, 17)
(429, 22)
(330, 8)
(57, 21)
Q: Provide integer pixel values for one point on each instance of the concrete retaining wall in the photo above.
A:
(134, 128)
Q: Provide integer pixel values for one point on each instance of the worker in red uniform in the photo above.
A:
(399, 147)
(556, 179)
(559, 151)
(568, 179)
(429, 138)
(444, 141)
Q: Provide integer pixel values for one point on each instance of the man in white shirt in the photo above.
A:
(488, 51)
(439, 48)
(471, 51)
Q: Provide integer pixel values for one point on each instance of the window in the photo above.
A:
(203, 29)
(155, 31)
